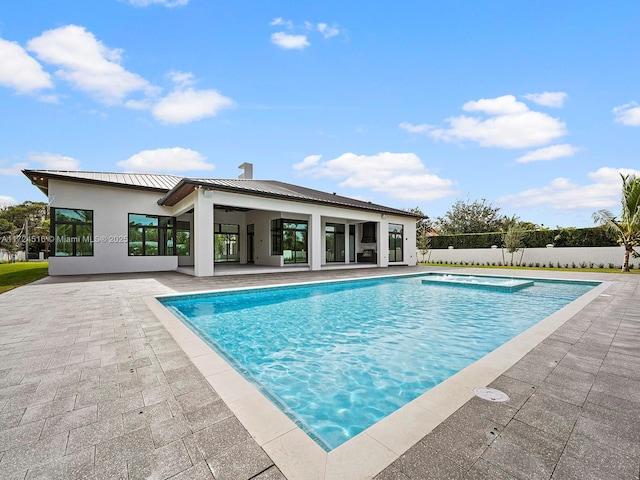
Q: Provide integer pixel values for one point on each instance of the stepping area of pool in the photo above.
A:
(93, 385)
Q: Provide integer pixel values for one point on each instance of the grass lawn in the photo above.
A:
(14, 275)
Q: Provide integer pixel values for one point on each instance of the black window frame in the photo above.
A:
(165, 248)
(276, 237)
(228, 230)
(76, 239)
(279, 228)
(333, 234)
(393, 238)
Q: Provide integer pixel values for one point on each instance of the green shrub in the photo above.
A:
(566, 237)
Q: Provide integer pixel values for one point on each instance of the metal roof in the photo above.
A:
(176, 188)
(147, 181)
(274, 189)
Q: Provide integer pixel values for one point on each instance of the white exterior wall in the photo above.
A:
(111, 208)
(543, 256)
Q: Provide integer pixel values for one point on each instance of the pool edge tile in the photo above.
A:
(297, 456)
(210, 364)
(360, 458)
(405, 427)
(263, 419)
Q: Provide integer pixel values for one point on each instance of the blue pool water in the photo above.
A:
(338, 357)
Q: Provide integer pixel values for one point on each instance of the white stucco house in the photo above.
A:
(133, 222)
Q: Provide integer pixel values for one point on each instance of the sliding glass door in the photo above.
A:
(226, 243)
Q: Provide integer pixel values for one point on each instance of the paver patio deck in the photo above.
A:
(93, 386)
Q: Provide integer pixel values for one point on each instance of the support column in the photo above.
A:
(346, 243)
(203, 234)
(315, 242)
(383, 243)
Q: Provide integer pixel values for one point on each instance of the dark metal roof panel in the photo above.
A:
(286, 190)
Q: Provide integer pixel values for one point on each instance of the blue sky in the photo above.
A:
(534, 106)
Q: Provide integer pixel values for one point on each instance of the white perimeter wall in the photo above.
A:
(111, 208)
(564, 255)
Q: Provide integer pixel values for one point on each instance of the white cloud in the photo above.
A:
(47, 161)
(15, 169)
(399, 175)
(279, 22)
(309, 161)
(292, 41)
(88, 64)
(20, 71)
(184, 106)
(54, 161)
(289, 41)
(6, 200)
(549, 153)
(548, 99)
(561, 194)
(181, 79)
(166, 3)
(166, 160)
(422, 128)
(628, 114)
(505, 105)
(328, 31)
(510, 125)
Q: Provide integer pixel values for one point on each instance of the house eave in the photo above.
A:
(186, 186)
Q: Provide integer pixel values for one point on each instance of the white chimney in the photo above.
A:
(247, 173)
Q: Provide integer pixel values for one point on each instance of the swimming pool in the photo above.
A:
(337, 357)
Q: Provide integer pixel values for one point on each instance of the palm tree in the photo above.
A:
(628, 227)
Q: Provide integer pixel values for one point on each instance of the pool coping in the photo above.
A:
(297, 455)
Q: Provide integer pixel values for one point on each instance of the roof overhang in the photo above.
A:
(186, 186)
(40, 178)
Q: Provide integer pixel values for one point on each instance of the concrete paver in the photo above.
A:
(93, 386)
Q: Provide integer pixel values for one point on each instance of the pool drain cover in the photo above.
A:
(491, 394)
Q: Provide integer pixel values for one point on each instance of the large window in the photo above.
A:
(395, 243)
(250, 243)
(72, 232)
(276, 236)
(226, 241)
(183, 238)
(334, 242)
(151, 235)
(289, 239)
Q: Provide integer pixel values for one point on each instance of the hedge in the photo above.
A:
(565, 237)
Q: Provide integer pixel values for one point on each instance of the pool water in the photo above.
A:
(338, 357)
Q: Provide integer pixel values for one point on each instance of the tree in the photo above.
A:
(478, 216)
(423, 230)
(10, 239)
(513, 237)
(628, 227)
(36, 214)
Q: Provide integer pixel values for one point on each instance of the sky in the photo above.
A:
(532, 106)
